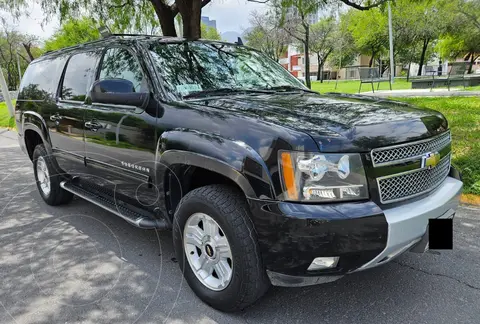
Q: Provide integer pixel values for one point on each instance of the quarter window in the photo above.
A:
(40, 81)
(78, 76)
(118, 63)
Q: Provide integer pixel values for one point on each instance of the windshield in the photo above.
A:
(195, 67)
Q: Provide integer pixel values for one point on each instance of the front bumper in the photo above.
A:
(361, 234)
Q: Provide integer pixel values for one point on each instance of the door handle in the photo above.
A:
(93, 125)
(56, 118)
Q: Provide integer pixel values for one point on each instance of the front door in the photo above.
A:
(66, 123)
(120, 139)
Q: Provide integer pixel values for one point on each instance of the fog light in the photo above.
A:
(323, 263)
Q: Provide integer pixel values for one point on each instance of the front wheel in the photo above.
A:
(217, 249)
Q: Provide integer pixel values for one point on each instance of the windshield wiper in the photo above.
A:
(288, 88)
(223, 92)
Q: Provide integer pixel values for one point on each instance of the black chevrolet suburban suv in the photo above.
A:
(262, 181)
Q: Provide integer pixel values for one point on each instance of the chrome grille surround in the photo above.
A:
(409, 151)
(405, 185)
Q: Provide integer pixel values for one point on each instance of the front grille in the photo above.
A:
(412, 183)
(408, 151)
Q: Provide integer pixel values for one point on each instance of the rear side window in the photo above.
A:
(40, 80)
(78, 76)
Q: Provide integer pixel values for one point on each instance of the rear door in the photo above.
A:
(67, 122)
(121, 139)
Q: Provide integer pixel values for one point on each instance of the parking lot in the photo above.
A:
(80, 264)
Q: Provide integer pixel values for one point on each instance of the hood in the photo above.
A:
(337, 122)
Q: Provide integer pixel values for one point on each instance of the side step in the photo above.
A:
(141, 219)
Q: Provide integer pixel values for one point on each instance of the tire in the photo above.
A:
(55, 195)
(229, 209)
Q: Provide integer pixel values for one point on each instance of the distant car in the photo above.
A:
(261, 180)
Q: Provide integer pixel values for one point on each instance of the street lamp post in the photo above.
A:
(390, 37)
(6, 94)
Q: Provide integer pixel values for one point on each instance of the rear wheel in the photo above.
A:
(217, 249)
(48, 180)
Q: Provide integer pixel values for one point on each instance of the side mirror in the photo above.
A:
(118, 92)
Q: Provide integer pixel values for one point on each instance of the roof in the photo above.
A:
(128, 37)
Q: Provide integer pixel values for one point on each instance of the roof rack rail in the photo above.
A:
(133, 35)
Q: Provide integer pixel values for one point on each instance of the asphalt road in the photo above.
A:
(80, 264)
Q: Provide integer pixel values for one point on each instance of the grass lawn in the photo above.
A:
(352, 86)
(5, 120)
(463, 114)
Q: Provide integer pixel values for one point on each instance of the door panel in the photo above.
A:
(66, 134)
(67, 123)
(121, 140)
(120, 153)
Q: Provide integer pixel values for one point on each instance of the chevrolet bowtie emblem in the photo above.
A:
(430, 160)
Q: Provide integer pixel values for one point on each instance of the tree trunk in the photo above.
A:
(166, 15)
(408, 72)
(422, 57)
(28, 50)
(472, 60)
(191, 13)
(307, 56)
(321, 69)
(318, 64)
(372, 58)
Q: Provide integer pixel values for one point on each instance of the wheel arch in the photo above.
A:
(33, 129)
(183, 155)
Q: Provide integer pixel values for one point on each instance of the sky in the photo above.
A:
(231, 15)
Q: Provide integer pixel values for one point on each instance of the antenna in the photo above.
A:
(104, 31)
(239, 41)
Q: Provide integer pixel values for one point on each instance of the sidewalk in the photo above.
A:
(422, 93)
(8, 138)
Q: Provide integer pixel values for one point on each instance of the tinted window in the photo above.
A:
(40, 80)
(118, 63)
(78, 76)
(196, 66)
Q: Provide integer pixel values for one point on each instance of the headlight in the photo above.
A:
(322, 177)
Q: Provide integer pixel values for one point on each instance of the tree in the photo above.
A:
(322, 42)
(462, 37)
(73, 32)
(418, 24)
(295, 21)
(369, 31)
(14, 54)
(344, 51)
(209, 32)
(266, 35)
(356, 4)
(124, 14)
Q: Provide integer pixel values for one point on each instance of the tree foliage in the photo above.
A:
(124, 15)
(323, 40)
(73, 32)
(417, 26)
(266, 34)
(369, 31)
(295, 21)
(462, 38)
(15, 49)
(209, 32)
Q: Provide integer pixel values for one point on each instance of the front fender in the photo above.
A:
(232, 159)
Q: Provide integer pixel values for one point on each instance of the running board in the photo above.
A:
(138, 219)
